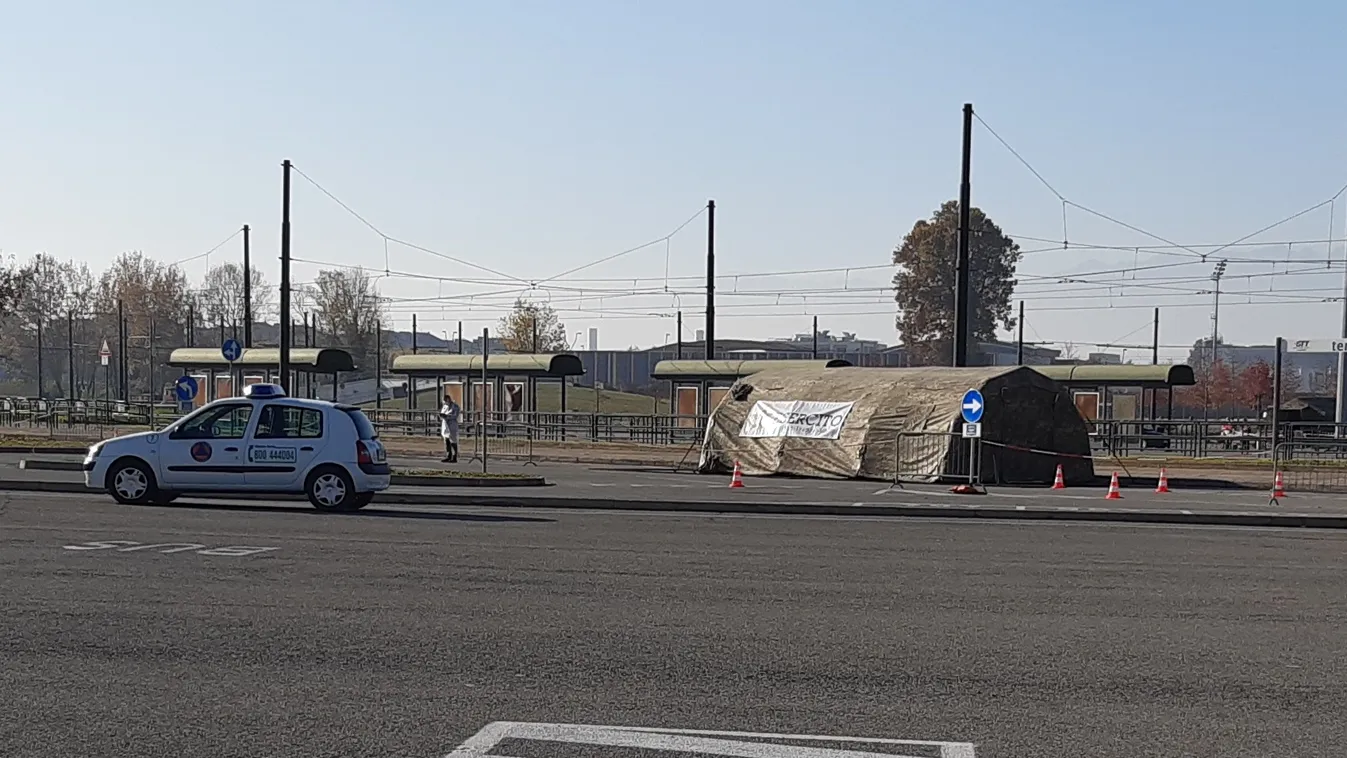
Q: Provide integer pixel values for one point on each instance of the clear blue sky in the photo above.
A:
(533, 137)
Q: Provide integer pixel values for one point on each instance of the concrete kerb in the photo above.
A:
(1192, 518)
(406, 480)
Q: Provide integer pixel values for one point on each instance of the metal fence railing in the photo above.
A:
(644, 429)
(1313, 466)
(1214, 438)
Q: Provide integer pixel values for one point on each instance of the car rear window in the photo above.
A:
(363, 427)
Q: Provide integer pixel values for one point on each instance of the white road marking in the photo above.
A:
(698, 741)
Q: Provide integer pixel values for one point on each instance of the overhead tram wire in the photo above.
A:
(1203, 256)
(198, 256)
(387, 238)
(628, 251)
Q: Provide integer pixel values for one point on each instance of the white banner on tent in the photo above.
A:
(795, 418)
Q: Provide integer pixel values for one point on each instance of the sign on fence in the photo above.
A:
(795, 418)
(1316, 346)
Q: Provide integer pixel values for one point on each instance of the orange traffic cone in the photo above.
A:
(1278, 486)
(1059, 481)
(736, 481)
(1163, 484)
(1114, 493)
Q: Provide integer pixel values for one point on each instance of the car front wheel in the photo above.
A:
(131, 483)
(331, 489)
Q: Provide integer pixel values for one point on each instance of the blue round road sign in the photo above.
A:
(185, 388)
(972, 406)
(231, 350)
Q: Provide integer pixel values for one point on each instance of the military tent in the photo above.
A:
(904, 423)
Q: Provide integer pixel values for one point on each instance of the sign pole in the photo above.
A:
(1276, 398)
(481, 432)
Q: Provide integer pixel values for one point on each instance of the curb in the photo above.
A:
(13, 449)
(1302, 520)
(41, 465)
(413, 480)
(406, 480)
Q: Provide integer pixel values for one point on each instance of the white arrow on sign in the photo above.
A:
(972, 405)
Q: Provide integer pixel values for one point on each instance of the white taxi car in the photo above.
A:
(263, 442)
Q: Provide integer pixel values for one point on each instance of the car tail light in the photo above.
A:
(362, 453)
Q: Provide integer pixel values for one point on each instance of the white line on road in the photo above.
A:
(691, 741)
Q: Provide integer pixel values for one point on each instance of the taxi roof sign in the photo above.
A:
(262, 391)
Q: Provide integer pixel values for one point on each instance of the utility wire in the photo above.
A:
(221, 244)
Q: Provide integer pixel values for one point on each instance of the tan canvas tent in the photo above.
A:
(875, 423)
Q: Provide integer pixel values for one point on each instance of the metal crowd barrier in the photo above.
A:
(1318, 466)
(960, 459)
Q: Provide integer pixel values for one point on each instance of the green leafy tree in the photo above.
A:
(924, 284)
(528, 320)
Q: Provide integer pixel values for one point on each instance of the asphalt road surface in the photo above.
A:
(279, 631)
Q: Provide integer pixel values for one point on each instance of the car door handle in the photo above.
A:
(231, 450)
(306, 449)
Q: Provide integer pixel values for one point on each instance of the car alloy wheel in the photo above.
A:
(329, 491)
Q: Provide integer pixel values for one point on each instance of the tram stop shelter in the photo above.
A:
(1103, 392)
(512, 377)
(699, 385)
(218, 378)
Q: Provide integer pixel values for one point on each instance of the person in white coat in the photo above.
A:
(449, 414)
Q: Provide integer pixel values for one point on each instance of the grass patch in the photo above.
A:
(46, 442)
(448, 474)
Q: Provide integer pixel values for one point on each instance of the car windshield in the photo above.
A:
(363, 427)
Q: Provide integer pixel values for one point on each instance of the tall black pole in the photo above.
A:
(151, 363)
(678, 351)
(962, 306)
(710, 280)
(413, 334)
(247, 289)
(121, 351)
(191, 324)
(1276, 397)
(1019, 339)
(481, 428)
(39, 357)
(1155, 340)
(378, 360)
(535, 332)
(460, 338)
(815, 352)
(70, 351)
(284, 319)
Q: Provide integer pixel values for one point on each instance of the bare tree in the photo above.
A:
(347, 309)
(221, 297)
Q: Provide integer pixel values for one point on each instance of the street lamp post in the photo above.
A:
(1215, 331)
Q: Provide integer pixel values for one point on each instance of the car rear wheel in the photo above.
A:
(361, 500)
(130, 482)
(331, 489)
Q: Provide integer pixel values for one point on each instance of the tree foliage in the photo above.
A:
(76, 311)
(347, 309)
(1225, 390)
(221, 297)
(924, 284)
(528, 320)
